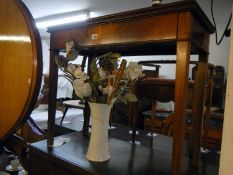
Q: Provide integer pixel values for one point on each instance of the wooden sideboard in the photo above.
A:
(179, 28)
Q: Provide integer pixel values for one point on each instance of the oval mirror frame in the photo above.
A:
(20, 65)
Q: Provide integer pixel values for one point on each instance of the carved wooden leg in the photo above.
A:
(198, 105)
(181, 90)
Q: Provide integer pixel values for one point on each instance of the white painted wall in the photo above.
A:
(219, 54)
(226, 160)
(45, 50)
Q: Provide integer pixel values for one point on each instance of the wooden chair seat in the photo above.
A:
(162, 90)
(71, 104)
(155, 123)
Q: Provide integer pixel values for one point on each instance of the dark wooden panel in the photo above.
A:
(140, 30)
(158, 10)
(185, 26)
(126, 158)
(200, 37)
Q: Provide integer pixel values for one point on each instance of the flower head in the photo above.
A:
(107, 79)
(71, 68)
(81, 88)
(134, 70)
(79, 74)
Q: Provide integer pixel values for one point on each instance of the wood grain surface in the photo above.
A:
(20, 65)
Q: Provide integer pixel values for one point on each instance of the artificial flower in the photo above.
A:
(106, 80)
(81, 88)
(71, 68)
(134, 70)
(78, 73)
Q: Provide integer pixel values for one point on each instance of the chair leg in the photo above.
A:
(64, 114)
(133, 116)
(86, 115)
(153, 115)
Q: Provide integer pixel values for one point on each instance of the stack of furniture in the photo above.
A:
(179, 29)
(157, 121)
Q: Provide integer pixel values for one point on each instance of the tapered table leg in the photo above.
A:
(198, 106)
(181, 90)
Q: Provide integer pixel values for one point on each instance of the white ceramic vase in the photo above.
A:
(98, 149)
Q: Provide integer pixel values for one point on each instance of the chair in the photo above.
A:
(71, 104)
(163, 90)
(154, 119)
(157, 90)
(211, 133)
(143, 103)
(147, 72)
(121, 113)
(74, 103)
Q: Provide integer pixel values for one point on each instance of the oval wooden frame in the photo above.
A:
(36, 66)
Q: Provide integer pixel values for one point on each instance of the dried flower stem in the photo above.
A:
(117, 80)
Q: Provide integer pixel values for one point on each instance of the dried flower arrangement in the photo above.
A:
(108, 78)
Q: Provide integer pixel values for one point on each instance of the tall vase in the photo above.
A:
(98, 149)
